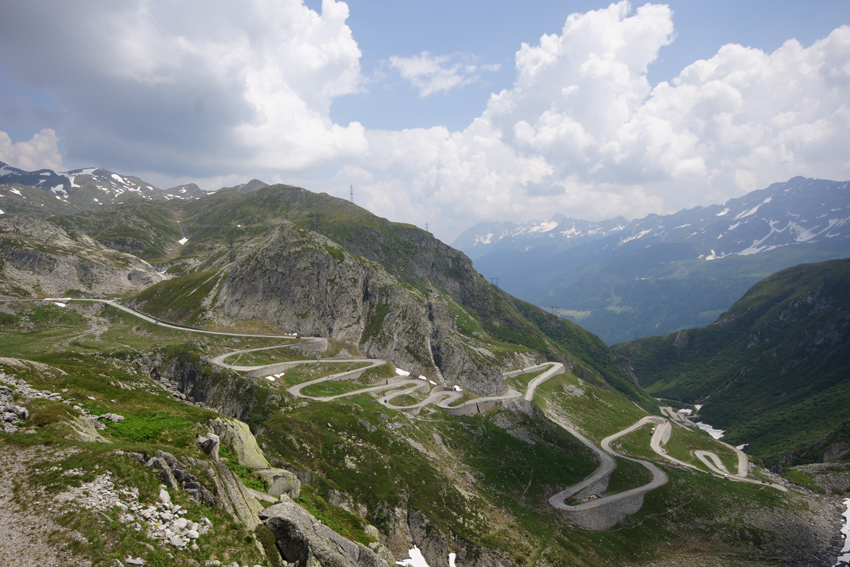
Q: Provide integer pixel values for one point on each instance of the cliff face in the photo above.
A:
(300, 281)
(38, 257)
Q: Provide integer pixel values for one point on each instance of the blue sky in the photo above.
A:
(493, 31)
(440, 112)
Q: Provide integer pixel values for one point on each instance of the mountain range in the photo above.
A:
(627, 279)
(89, 188)
(418, 406)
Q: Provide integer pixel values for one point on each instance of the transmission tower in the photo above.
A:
(351, 192)
(495, 282)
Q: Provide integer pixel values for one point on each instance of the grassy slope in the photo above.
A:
(506, 463)
(146, 229)
(772, 368)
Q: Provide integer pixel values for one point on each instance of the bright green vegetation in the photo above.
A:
(332, 388)
(486, 479)
(596, 411)
(154, 428)
(411, 399)
(384, 371)
(338, 519)
(800, 478)
(311, 371)
(636, 444)
(628, 475)
(465, 397)
(683, 442)
(773, 368)
(245, 474)
(520, 382)
(180, 299)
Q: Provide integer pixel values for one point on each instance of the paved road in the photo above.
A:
(443, 397)
(606, 467)
(161, 323)
(556, 368)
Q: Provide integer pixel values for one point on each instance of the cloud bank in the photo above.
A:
(582, 132)
(206, 90)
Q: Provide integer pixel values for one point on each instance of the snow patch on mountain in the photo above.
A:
(485, 239)
(754, 210)
(636, 236)
(545, 226)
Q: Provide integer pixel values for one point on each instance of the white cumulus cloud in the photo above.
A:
(40, 152)
(210, 90)
(581, 131)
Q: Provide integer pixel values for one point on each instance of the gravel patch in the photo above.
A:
(24, 533)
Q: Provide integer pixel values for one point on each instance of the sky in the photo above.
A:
(442, 112)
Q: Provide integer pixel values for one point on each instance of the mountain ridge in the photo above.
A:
(771, 370)
(699, 260)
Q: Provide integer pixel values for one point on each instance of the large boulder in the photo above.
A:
(236, 497)
(305, 541)
(238, 435)
(281, 482)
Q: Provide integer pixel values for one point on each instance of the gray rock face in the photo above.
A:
(236, 497)
(305, 541)
(238, 435)
(41, 257)
(10, 413)
(173, 473)
(305, 282)
(281, 482)
(210, 445)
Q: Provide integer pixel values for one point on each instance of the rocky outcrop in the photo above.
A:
(306, 542)
(191, 378)
(236, 498)
(237, 434)
(303, 281)
(85, 431)
(40, 257)
(281, 482)
(11, 412)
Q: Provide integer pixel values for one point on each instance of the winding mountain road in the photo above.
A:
(443, 397)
